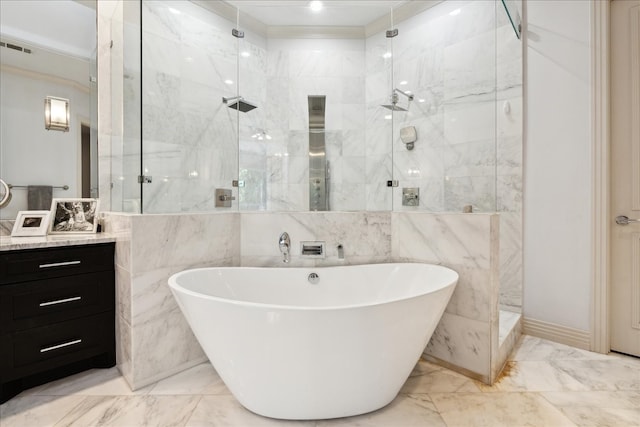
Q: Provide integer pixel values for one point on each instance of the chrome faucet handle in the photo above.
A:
(284, 243)
(284, 240)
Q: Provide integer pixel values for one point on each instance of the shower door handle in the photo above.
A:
(625, 220)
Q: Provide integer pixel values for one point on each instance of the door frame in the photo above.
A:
(601, 146)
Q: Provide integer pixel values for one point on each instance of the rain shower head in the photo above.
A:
(239, 103)
(394, 107)
(394, 101)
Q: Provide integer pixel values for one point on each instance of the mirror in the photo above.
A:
(47, 49)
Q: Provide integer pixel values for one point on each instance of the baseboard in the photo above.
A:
(560, 334)
(154, 379)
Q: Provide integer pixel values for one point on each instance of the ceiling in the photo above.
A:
(60, 34)
(67, 27)
(335, 13)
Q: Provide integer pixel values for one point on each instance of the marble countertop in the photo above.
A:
(8, 243)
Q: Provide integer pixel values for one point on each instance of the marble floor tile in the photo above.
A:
(598, 408)
(545, 384)
(507, 321)
(533, 376)
(602, 399)
(201, 379)
(120, 411)
(537, 349)
(430, 378)
(94, 382)
(618, 373)
(406, 410)
(602, 417)
(226, 411)
(36, 411)
(498, 409)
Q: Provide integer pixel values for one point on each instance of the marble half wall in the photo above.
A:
(466, 338)
(365, 237)
(154, 339)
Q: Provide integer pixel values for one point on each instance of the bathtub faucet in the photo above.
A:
(285, 244)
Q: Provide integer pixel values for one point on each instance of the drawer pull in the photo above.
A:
(59, 264)
(55, 347)
(60, 301)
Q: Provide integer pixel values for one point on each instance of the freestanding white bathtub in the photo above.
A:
(291, 349)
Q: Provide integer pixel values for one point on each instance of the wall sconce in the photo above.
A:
(56, 113)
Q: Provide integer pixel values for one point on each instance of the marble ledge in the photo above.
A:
(8, 243)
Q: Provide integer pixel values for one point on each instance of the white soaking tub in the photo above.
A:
(292, 349)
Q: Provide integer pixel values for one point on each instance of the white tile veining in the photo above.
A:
(598, 391)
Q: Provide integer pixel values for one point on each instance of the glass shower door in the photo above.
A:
(189, 134)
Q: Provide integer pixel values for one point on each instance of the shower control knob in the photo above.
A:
(313, 278)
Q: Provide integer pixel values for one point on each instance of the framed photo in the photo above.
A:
(73, 216)
(31, 223)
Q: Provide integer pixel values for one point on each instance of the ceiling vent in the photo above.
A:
(15, 47)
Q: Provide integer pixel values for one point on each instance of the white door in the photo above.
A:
(625, 176)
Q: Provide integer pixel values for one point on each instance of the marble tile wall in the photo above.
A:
(154, 339)
(447, 61)
(296, 69)
(148, 318)
(120, 225)
(190, 136)
(365, 236)
(465, 71)
(467, 337)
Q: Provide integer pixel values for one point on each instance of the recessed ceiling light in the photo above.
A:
(315, 6)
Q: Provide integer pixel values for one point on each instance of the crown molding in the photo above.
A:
(405, 11)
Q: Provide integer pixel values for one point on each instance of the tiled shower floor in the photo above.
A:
(544, 384)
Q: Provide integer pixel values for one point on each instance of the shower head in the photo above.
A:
(394, 107)
(239, 103)
(394, 101)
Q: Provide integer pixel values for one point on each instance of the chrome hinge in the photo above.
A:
(144, 179)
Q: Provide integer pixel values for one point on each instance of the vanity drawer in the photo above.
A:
(42, 302)
(33, 264)
(38, 349)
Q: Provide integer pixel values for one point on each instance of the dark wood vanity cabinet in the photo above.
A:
(57, 314)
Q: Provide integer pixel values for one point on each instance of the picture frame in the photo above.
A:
(74, 216)
(31, 224)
